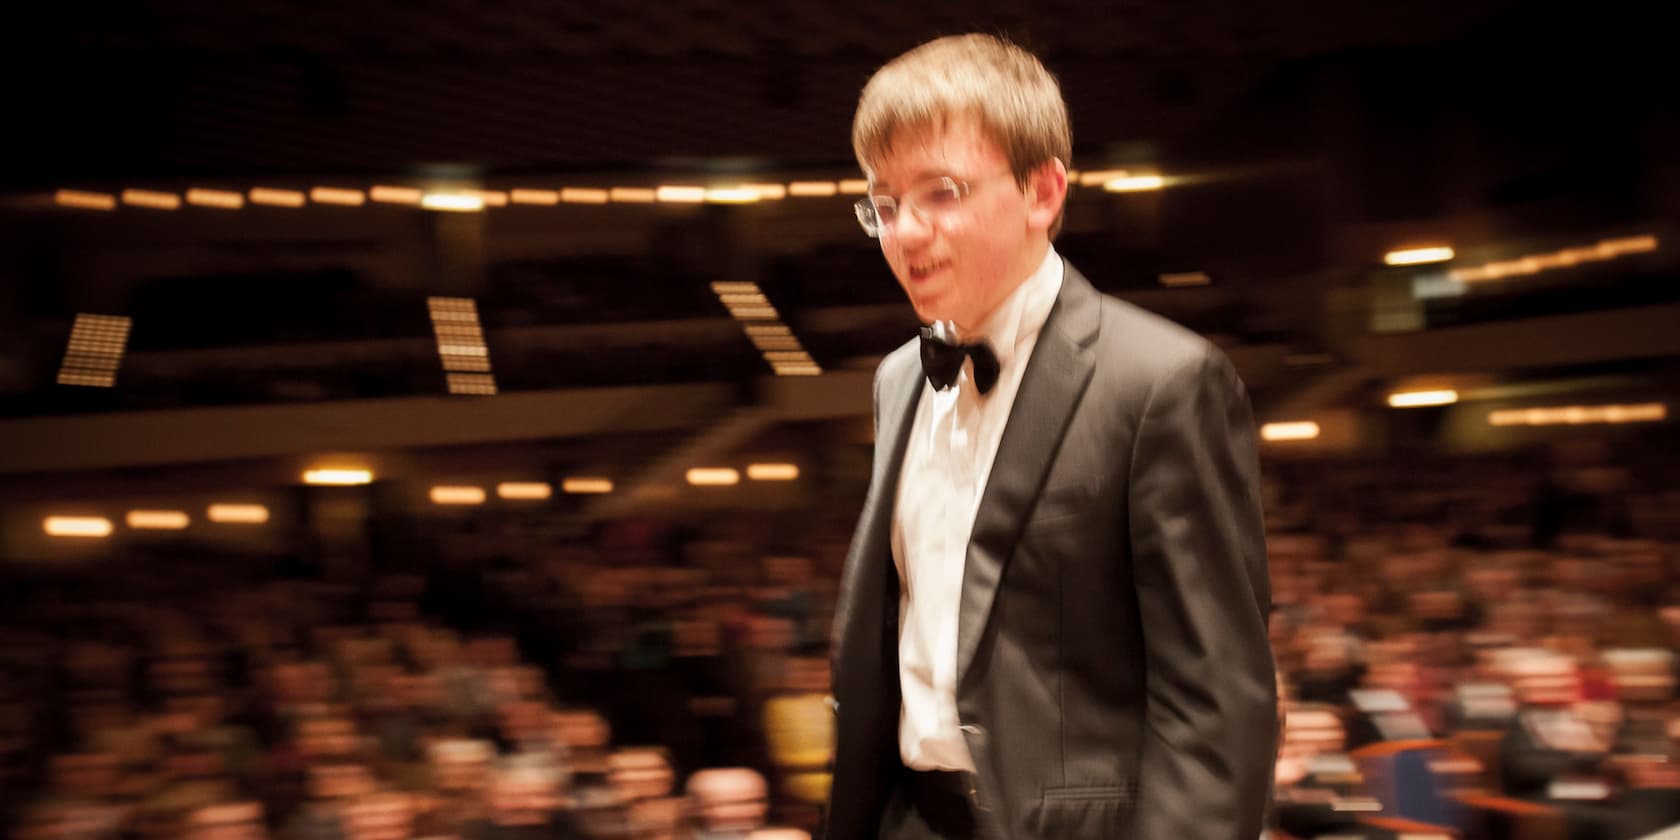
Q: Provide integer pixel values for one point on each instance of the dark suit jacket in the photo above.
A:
(1114, 676)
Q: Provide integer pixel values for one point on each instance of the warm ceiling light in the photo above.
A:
(1628, 245)
(396, 195)
(583, 195)
(813, 189)
(1419, 256)
(768, 329)
(338, 477)
(797, 370)
(85, 200)
(1575, 415)
(481, 384)
(1294, 430)
(448, 495)
(158, 520)
(772, 472)
(151, 200)
(545, 198)
(732, 195)
(581, 486)
(735, 288)
(238, 514)
(775, 342)
(1417, 399)
(1187, 278)
(788, 356)
(713, 477)
(680, 194)
(524, 490)
(77, 526)
(337, 195)
(854, 186)
(1096, 177)
(492, 198)
(768, 192)
(452, 202)
(219, 199)
(632, 195)
(753, 313)
(276, 198)
(1134, 183)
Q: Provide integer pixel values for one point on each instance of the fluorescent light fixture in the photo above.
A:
(1418, 399)
(581, 485)
(95, 350)
(237, 514)
(396, 195)
(680, 194)
(1419, 256)
(741, 288)
(544, 198)
(768, 192)
(481, 384)
(732, 195)
(338, 195)
(85, 200)
(1576, 415)
(86, 527)
(158, 520)
(583, 195)
(854, 186)
(338, 477)
(814, 189)
(1134, 183)
(713, 477)
(1187, 278)
(219, 199)
(492, 198)
(270, 197)
(633, 195)
(1095, 177)
(452, 202)
(772, 472)
(151, 200)
(452, 495)
(524, 490)
(797, 370)
(1292, 430)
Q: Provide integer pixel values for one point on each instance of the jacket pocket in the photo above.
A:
(1083, 813)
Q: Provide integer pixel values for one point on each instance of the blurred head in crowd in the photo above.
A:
(339, 780)
(378, 816)
(966, 142)
(460, 765)
(727, 801)
(640, 773)
(229, 821)
(525, 793)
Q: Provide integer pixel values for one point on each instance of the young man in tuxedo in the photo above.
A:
(1052, 621)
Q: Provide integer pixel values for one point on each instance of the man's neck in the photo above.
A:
(1026, 266)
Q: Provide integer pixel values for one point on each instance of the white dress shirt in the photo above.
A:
(953, 440)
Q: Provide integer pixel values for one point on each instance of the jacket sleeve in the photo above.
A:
(1199, 557)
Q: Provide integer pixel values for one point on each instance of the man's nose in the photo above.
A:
(911, 227)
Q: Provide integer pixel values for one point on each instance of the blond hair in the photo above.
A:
(1015, 100)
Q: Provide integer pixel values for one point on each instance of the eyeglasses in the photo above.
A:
(932, 199)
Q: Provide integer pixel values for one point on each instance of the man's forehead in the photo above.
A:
(943, 147)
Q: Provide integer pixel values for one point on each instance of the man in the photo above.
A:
(1053, 617)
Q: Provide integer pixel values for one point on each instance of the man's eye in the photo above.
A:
(944, 195)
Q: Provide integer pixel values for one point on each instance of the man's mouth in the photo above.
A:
(922, 270)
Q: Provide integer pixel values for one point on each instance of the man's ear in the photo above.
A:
(1046, 191)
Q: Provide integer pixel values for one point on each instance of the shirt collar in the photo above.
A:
(1021, 315)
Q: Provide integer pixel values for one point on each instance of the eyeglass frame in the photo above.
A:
(867, 206)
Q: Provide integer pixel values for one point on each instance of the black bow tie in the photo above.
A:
(941, 361)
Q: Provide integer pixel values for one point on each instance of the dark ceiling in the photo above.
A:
(171, 88)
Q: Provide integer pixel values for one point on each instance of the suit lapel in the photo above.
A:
(868, 593)
(1055, 378)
